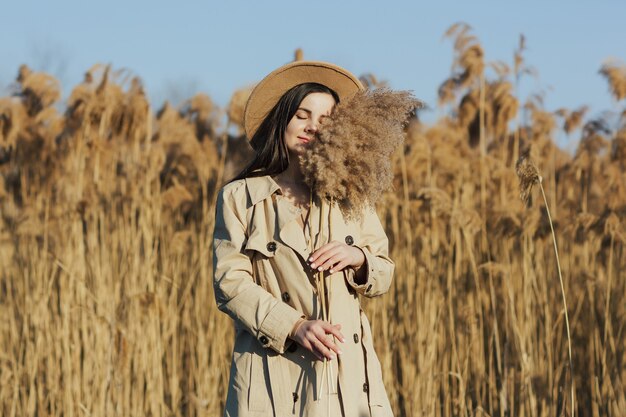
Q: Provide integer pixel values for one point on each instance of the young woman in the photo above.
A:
(269, 241)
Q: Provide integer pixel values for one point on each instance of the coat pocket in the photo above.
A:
(377, 393)
(258, 393)
(376, 387)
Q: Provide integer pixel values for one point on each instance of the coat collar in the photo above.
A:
(260, 188)
(289, 230)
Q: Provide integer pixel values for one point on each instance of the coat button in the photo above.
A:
(349, 240)
(286, 297)
(366, 387)
(356, 338)
(264, 340)
(271, 246)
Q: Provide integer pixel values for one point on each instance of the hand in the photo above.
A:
(314, 335)
(335, 256)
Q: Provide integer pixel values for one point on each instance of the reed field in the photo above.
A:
(107, 210)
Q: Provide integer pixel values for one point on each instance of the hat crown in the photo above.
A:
(271, 88)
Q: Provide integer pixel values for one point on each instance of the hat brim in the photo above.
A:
(267, 92)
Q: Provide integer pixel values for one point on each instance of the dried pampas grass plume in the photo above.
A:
(350, 162)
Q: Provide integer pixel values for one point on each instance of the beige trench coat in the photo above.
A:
(261, 280)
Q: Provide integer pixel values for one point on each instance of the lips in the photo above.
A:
(304, 139)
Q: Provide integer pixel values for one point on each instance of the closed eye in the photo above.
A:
(303, 114)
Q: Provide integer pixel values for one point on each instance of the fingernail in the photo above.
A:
(343, 340)
(339, 352)
(331, 271)
(312, 265)
(319, 269)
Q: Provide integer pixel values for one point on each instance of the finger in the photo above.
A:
(305, 343)
(324, 333)
(320, 251)
(317, 354)
(339, 267)
(321, 345)
(352, 257)
(320, 255)
(324, 257)
(330, 262)
(336, 263)
(335, 330)
(330, 346)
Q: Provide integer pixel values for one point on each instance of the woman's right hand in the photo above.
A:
(315, 336)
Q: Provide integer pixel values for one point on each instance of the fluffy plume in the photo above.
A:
(351, 161)
(528, 175)
(615, 73)
(572, 120)
(468, 64)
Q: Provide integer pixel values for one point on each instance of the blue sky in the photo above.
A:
(178, 48)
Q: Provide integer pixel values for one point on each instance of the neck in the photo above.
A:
(293, 173)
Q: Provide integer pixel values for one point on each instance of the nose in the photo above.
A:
(311, 127)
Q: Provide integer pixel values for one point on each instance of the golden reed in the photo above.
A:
(105, 244)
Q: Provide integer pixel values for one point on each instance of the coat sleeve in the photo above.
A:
(263, 315)
(379, 267)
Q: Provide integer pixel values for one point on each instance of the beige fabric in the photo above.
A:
(259, 236)
(271, 88)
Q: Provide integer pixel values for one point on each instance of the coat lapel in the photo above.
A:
(289, 230)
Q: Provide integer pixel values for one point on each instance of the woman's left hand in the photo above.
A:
(335, 256)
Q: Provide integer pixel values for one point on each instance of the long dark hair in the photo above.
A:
(272, 156)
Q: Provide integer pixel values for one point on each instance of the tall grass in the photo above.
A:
(105, 247)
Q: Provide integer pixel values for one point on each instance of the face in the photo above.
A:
(305, 123)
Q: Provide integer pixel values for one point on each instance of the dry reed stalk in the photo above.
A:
(320, 285)
(331, 381)
(483, 145)
(529, 175)
(405, 193)
(518, 71)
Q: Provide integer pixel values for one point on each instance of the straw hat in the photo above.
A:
(271, 88)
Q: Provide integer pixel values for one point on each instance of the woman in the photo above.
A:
(269, 241)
